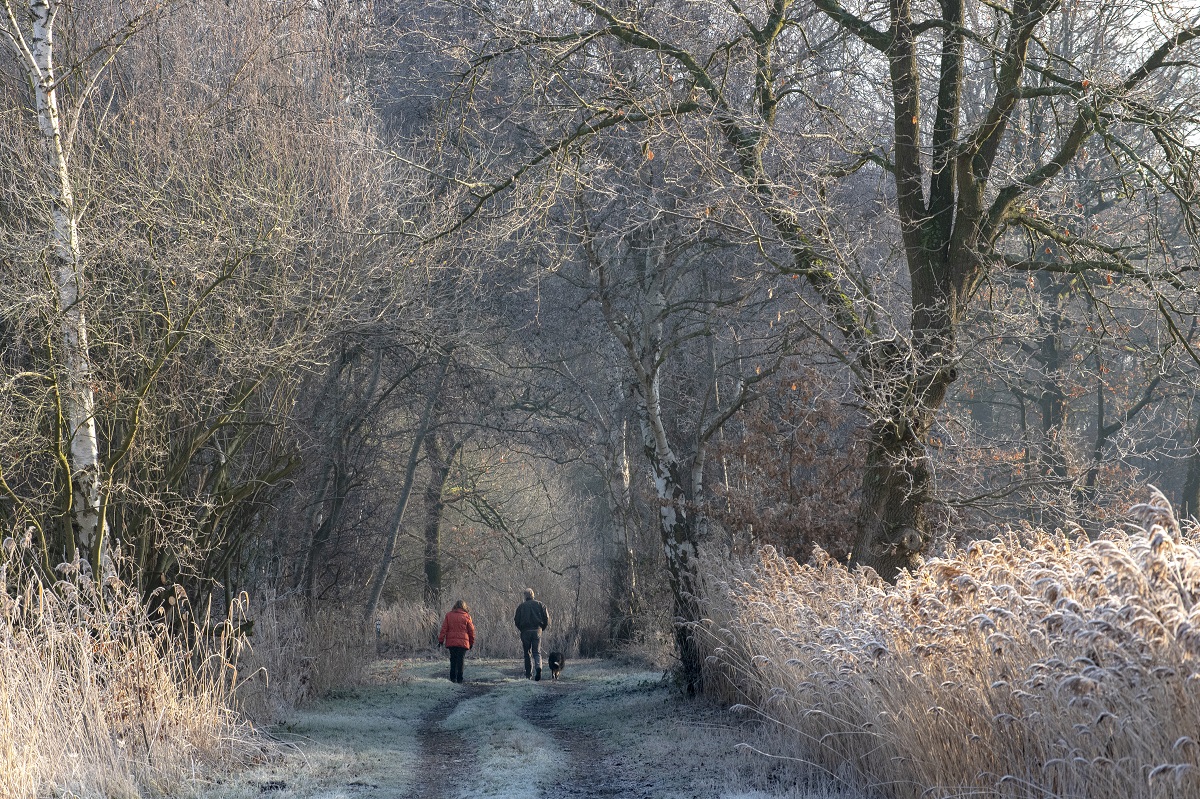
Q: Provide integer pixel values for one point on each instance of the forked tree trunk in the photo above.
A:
(678, 480)
(379, 580)
(435, 504)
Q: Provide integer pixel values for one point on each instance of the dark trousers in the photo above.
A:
(457, 653)
(531, 641)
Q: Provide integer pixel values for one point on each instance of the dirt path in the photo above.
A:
(584, 769)
(444, 754)
(588, 770)
(603, 731)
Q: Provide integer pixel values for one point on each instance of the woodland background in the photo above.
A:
(319, 316)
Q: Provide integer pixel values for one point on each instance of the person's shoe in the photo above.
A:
(537, 675)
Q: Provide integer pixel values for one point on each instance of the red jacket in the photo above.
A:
(457, 630)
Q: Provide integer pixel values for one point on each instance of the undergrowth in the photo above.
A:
(97, 700)
(296, 654)
(1033, 665)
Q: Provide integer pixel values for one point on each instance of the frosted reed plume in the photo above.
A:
(1033, 665)
(95, 699)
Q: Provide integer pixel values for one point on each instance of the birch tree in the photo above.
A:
(697, 325)
(221, 194)
(34, 46)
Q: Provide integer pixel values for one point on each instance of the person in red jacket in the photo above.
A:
(457, 635)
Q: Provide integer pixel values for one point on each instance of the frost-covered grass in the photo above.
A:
(296, 655)
(636, 733)
(684, 748)
(1035, 665)
(360, 741)
(511, 755)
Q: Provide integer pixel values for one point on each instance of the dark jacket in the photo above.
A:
(457, 630)
(531, 615)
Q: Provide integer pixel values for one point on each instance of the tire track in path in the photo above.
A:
(606, 731)
(444, 756)
(588, 770)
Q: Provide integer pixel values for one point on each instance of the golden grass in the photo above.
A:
(407, 627)
(96, 701)
(1035, 665)
(295, 655)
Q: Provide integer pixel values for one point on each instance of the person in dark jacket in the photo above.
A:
(531, 619)
(457, 635)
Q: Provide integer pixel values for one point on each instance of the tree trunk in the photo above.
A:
(1085, 495)
(624, 606)
(1052, 402)
(410, 470)
(83, 475)
(340, 412)
(338, 486)
(897, 482)
(891, 519)
(623, 600)
(305, 577)
(678, 528)
(435, 503)
(1189, 504)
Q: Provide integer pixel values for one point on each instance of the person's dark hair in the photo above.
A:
(460, 605)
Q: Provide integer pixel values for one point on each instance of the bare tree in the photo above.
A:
(35, 48)
(223, 200)
(803, 109)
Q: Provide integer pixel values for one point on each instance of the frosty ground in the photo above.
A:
(604, 730)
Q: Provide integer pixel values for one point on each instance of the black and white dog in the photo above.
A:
(557, 661)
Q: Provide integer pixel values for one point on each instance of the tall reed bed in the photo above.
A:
(1033, 665)
(297, 653)
(95, 699)
(405, 628)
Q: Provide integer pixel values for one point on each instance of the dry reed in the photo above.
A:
(297, 654)
(1033, 665)
(407, 627)
(96, 700)
(577, 620)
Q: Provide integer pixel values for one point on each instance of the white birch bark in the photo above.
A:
(75, 381)
(678, 473)
(642, 340)
(620, 477)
